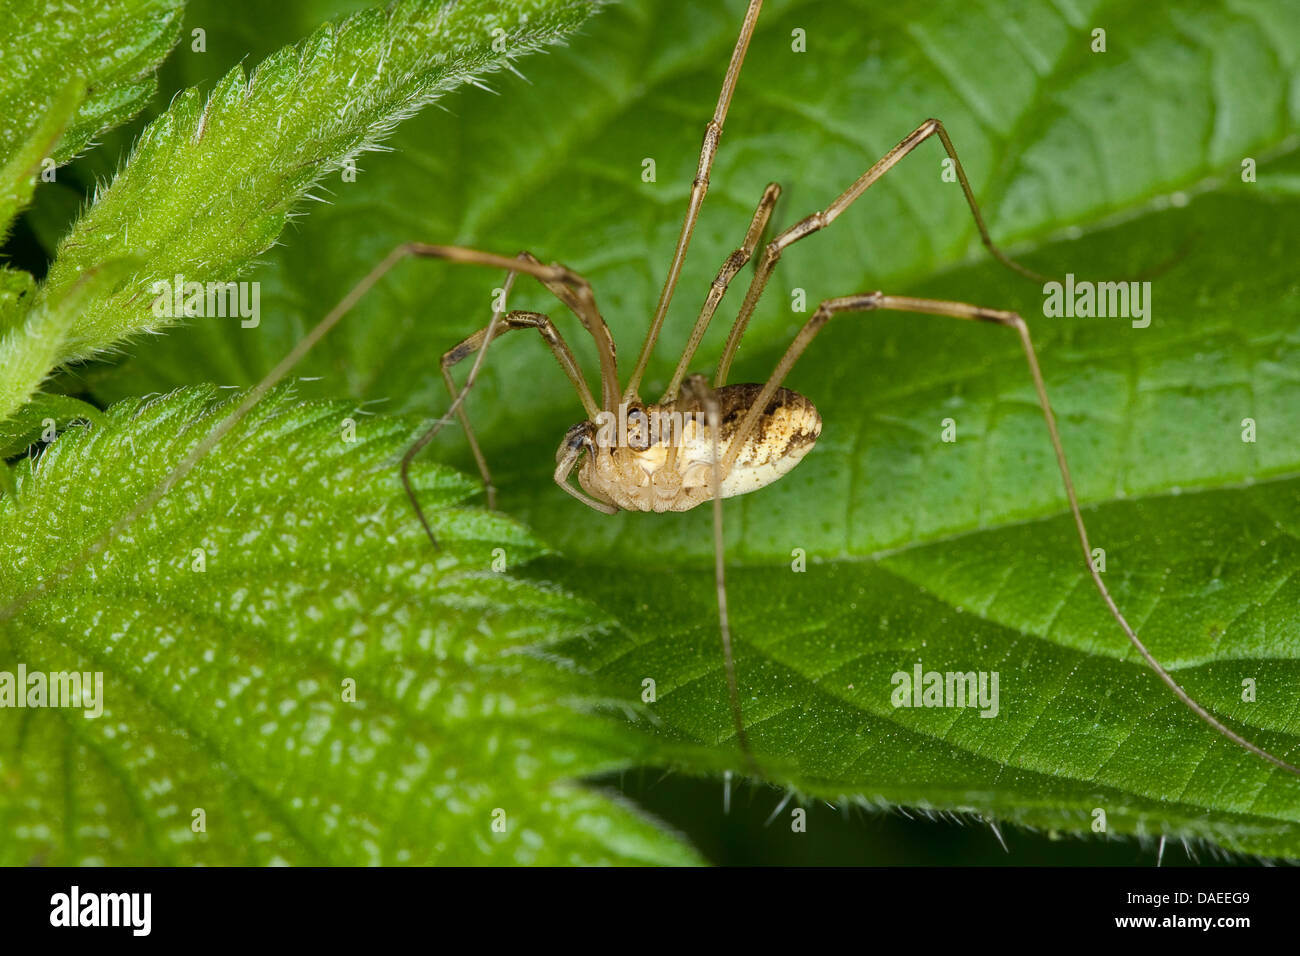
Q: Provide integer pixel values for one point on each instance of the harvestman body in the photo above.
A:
(737, 438)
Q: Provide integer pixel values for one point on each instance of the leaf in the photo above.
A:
(211, 184)
(583, 143)
(1101, 165)
(1081, 724)
(22, 162)
(225, 625)
(28, 426)
(109, 50)
(33, 334)
(16, 288)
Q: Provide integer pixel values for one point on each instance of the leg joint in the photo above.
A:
(735, 262)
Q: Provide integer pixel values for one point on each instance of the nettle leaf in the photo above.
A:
(1079, 724)
(38, 417)
(227, 625)
(555, 166)
(211, 183)
(952, 555)
(23, 160)
(30, 341)
(108, 51)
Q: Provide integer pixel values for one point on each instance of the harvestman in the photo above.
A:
(741, 437)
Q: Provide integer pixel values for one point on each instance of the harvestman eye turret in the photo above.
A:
(732, 439)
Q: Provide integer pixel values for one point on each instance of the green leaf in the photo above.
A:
(211, 184)
(30, 423)
(32, 334)
(1081, 723)
(226, 626)
(108, 50)
(555, 166)
(23, 161)
(16, 294)
(954, 554)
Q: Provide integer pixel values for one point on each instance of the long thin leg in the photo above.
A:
(458, 403)
(820, 220)
(735, 262)
(696, 389)
(699, 188)
(567, 286)
(282, 368)
(576, 293)
(551, 335)
(477, 345)
(873, 301)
